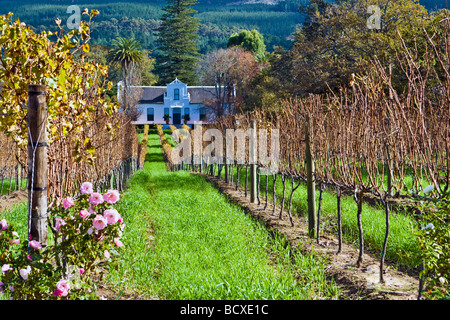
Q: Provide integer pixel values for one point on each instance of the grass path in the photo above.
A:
(183, 240)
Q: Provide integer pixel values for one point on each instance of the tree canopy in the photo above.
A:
(177, 37)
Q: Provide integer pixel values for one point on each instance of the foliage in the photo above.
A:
(139, 19)
(228, 70)
(75, 87)
(87, 230)
(335, 42)
(434, 240)
(177, 37)
(252, 41)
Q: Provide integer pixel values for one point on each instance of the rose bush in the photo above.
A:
(87, 230)
(434, 240)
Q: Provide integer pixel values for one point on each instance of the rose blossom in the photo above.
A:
(6, 267)
(100, 222)
(59, 223)
(111, 215)
(81, 270)
(86, 188)
(96, 199)
(3, 224)
(84, 213)
(112, 196)
(106, 254)
(118, 243)
(90, 230)
(62, 288)
(35, 244)
(24, 272)
(68, 203)
(14, 241)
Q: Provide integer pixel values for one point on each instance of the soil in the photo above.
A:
(355, 283)
(9, 200)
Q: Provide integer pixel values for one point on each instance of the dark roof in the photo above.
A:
(155, 95)
(152, 95)
(200, 94)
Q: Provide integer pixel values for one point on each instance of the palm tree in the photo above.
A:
(128, 53)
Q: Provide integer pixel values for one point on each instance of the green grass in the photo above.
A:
(17, 216)
(10, 186)
(402, 246)
(183, 240)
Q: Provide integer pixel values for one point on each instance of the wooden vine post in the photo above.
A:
(311, 188)
(252, 145)
(37, 169)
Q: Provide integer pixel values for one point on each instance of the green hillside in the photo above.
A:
(138, 18)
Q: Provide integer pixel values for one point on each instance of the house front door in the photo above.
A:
(177, 116)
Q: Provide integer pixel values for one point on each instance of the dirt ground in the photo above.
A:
(9, 200)
(355, 283)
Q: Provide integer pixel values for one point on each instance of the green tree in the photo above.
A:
(335, 42)
(177, 39)
(128, 54)
(252, 41)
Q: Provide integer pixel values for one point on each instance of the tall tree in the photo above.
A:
(127, 53)
(177, 39)
(229, 70)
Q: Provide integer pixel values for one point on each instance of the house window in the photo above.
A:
(202, 114)
(166, 110)
(186, 111)
(150, 114)
(176, 94)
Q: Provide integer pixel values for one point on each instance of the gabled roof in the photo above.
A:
(155, 95)
(200, 94)
(152, 95)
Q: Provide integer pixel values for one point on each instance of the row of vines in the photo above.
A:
(369, 141)
(91, 148)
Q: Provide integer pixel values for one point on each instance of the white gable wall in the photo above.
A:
(176, 99)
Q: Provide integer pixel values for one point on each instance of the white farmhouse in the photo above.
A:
(175, 100)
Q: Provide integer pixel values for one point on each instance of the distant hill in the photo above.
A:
(275, 19)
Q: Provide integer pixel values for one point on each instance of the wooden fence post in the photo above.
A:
(252, 146)
(311, 188)
(37, 169)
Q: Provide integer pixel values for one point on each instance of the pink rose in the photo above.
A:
(100, 222)
(3, 224)
(68, 203)
(91, 210)
(90, 230)
(112, 196)
(84, 213)
(118, 243)
(6, 267)
(111, 215)
(59, 223)
(14, 241)
(62, 289)
(106, 254)
(81, 270)
(86, 188)
(96, 199)
(24, 272)
(35, 244)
